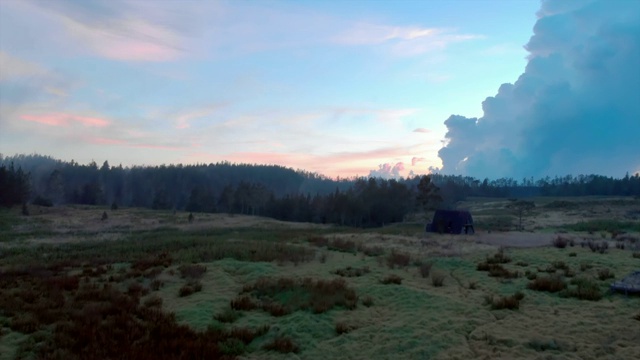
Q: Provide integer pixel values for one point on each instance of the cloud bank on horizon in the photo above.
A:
(575, 109)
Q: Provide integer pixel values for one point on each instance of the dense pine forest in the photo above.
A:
(269, 190)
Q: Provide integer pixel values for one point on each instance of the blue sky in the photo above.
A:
(341, 88)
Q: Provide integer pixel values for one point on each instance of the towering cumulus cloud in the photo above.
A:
(576, 108)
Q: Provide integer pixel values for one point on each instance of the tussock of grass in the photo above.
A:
(398, 259)
(549, 284)
(391, 279)
(319, 241)
(228, 316)
(437, 278)
(193, 286)
(372, 250)
(192, 271)
(352, 272)
(343, 328)
(498, 258)
(583, 289)
(280, 296)
(497, 270)
(560, 242)
(540, 345)
(282, 344)
(604, 274)
(425, 268)
(511, 302)
(342, 245)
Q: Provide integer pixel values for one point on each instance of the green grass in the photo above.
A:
(604, 225)
(411, 320)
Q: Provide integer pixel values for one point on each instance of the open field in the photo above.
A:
(145, 284)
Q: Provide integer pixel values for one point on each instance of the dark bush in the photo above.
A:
(560, 242)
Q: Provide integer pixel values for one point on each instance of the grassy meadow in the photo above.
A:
(151, 285)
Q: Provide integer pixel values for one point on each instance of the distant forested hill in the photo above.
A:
(268, 190)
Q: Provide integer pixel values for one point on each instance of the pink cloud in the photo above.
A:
(104, 141)
(421, 130)
(416, 160)
(65, 120)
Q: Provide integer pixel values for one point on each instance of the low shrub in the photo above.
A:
(572, 254)
(24, 323)
(282, 344)
(437, 278)
(560, 265)
(243, 302)
(228, 316)
(342, 245)
(507, 302)
(497, 270)
(549, 284)
(398, 259)
(192, 271)
(530, 275)
(425, 268)
(319, 241)
(543, 345)
(636, 255)
(584, 289)
(190, 288)
(498, 258)
(372, 250)
(343, 328)
(601, 247)
(637, 317)
(522, 264)
(367, 301)
(391, 279)
(154, 301)
(352, 272)
(604, 274)
(560, 242)
(585, 266)
(281, 296)
(156, 284)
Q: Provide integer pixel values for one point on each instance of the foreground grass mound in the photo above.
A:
(282, 296)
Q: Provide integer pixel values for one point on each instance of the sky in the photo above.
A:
(340, 88)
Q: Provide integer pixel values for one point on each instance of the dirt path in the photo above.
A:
(515, 239)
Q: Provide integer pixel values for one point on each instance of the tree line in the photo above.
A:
(269, 190)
